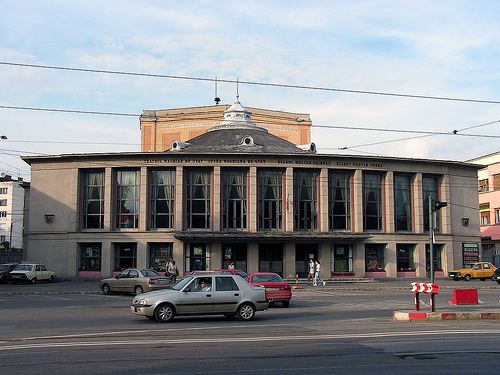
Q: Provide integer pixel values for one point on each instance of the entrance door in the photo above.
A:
(304, 252)
(271, 258)
(342, 259)
(197, 257)
(236, 253)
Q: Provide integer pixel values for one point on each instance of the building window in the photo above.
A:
(93, 200)
(496, 182)
(372, 201)
(485, 217)
(270, 193)
(125, 256)
(3, 202)
(2, 238)
(402, 202)
(3, 213)
(198, 199)
(429, 188)
(197, 257)
(90, 257)
(405, 261)
(497, 216)
(3, 190)
(127, 203)
(437, 250)
(234, 199)
(483, 185)
(235, 253)
(305, 200)
(162, 198)
(339, 198)
(159, 255)
(374, 258)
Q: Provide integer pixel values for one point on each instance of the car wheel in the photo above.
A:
(51, 278)
(246, 312)
(286, 303)
(456, 278)
(106, 289)
(138, 290)
(467, 277)
(164, 313)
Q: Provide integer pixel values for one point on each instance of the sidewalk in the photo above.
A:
(91, 286)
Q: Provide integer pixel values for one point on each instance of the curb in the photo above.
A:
(433, 316)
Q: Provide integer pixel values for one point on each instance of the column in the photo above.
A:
(108, 203)
(325, 255)
(289, 260)
(216, 194)
(445, 214)
(357, 201)
(178, 255)
(358, 258)
(107, 256)
(141, 254)
(75, 202)
(179, 197)
(418, 204)
(390, 258)
(253, 257)
(289, 198)
(388, 203)
(419, 259)
(252, 200)
(143, 200)
(215, 256)
(323, 200)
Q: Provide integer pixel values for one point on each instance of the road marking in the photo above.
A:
(223, 340)
(96, 334)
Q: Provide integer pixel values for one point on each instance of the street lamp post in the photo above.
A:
(434, 206)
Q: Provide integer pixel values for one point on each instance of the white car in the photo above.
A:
(203, 294)
(32, 272)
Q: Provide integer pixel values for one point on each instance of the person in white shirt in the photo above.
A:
(312, 270)
(317, 275)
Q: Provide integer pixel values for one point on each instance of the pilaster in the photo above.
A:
(143, 199)
(323, 200)
(388, 203)
(216, 198)
(418, 204)
(108, 199)
(252, 200)
(357, 201)
(289, 199)
(179, 198)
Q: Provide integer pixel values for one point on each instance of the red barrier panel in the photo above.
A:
(464, 297)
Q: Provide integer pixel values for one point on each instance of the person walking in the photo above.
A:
(317, 275)
(312, 270)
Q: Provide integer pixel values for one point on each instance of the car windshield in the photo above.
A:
(150, 273)
(182, 283)
(267, 278)
(24, 267)
(4, 267)
(468, 266)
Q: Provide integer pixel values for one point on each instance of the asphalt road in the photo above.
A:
(325, 331)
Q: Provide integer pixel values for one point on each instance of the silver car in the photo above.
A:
(208, 293)
(133, 280)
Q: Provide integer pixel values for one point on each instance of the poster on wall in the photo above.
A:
(470, 252)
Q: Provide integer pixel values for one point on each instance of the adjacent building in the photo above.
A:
(12, 193)
(489, 205)
(238, 193)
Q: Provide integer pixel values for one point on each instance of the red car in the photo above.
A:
(277, 290)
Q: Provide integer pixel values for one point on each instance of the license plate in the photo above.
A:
(273, 289)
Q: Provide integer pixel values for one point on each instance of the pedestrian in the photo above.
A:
(317, 275)
(312, 269)
(168, 265)
(174, 272)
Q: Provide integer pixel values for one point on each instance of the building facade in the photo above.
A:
(489, 205)
(238, 193)
(12, 192)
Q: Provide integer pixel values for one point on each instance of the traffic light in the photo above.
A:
(437, 205)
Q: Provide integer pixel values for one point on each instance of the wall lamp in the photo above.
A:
(49, 218)
(465, 221)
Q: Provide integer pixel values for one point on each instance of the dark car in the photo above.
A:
(496, 276)
(4, 272)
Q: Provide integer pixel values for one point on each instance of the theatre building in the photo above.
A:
(239, 193)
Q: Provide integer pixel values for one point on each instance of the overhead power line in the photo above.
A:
(254, 83)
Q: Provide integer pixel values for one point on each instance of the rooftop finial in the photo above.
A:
(237, 90)
(216, 99)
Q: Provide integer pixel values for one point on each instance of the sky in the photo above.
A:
(429, 48)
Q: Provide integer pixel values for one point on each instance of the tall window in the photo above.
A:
(198, 199)
(159, 254)
(93, 200)
(374, 258)
(234, 199)
(270, 192)
(339, 211)
(429, 187)
(125, 256)
(405, 257)
(3, 190)
(90, 256)
(402, 202)
(3, 202)
(162, 198)
(127, 202)
(305, 200)
(372, 201)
